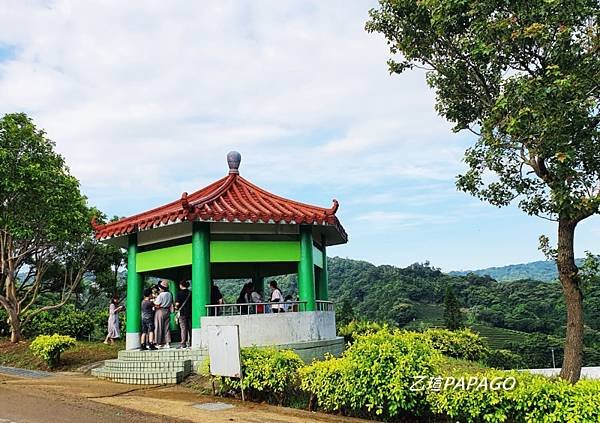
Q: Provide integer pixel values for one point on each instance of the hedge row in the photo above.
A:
(67, 320)
(375, 378)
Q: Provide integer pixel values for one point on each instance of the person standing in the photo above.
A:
(243, 299)
(216, 298)
(114, 331)
(147, 340)
(162, 304)
(183, 306)
(254, 297)
(276, 297)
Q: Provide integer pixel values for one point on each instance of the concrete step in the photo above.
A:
(140, 377)
(148, 366)
(172, 354)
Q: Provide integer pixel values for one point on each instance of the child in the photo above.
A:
(147, 321)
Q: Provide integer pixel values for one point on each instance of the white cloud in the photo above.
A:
(158, 94)
(384, 219)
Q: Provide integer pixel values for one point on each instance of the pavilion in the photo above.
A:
(234, 229)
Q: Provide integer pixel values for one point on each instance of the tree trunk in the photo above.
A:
(10, 303)
(15, 328)
(567, 271)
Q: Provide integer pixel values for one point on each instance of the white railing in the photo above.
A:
(255, 308)
(324, 305)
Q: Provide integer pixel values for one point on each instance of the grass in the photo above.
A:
(458, 366)
(427, 316)
(84, 352)
(432, 315)
(499, 337)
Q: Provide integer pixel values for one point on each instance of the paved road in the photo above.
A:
(24, 404)
(73, 398)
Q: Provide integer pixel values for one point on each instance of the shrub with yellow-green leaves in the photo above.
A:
(464, 343)
(356, 328)
(374, 376)
(534, 398)
(269, 374)
(50, 347)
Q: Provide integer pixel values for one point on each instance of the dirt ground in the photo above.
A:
(71, 397)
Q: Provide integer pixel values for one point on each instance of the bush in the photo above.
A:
(100, 319)
(504, 359)
(463, 343)
(50, 347)
(360, 327)
(374, 375)
(269, 374)
(4, 326)
(535, 398)
(66, 320)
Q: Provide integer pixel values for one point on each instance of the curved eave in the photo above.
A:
(230, 200)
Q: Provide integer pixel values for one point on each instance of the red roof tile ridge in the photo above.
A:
(156, 210)
(229, 198)
(327, 211)
(228, 181)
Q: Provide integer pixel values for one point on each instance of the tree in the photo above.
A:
(523, 77)
(453, 318)
(45, 243)
(346, 313)
(106, 266)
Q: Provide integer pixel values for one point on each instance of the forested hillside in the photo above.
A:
(403, 295)
(525, 316)
(538, 270)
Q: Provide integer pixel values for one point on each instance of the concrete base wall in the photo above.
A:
(316, 350)
(308, 351)
(276, 328)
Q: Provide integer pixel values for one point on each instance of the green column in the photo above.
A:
(173, 290)
(201, 280)
(134, 297)
(323, 275)
(306, 269)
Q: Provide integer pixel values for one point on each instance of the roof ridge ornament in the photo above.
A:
(233, 161)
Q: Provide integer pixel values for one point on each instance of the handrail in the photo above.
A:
(242, 309)
(322, 305)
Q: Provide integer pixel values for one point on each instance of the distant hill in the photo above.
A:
(538, 270)
(524, 313)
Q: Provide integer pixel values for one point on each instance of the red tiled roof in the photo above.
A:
(230, 199)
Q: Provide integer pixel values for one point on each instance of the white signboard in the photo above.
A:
(224, 350)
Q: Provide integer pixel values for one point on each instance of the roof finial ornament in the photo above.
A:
(233, 160)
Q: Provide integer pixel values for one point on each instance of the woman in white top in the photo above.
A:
(276, 297)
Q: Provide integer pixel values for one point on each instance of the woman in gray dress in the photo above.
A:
(163, 304)
(114, 331)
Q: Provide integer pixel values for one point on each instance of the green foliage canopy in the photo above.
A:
(523, 76)
(41, 202)
(44, 219)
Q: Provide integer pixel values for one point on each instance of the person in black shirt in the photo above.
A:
(183, 306)
(147, 340)
(215, 298)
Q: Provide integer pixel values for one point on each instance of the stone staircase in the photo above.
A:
(151, 367)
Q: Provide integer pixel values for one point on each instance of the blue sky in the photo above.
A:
(145, 104)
